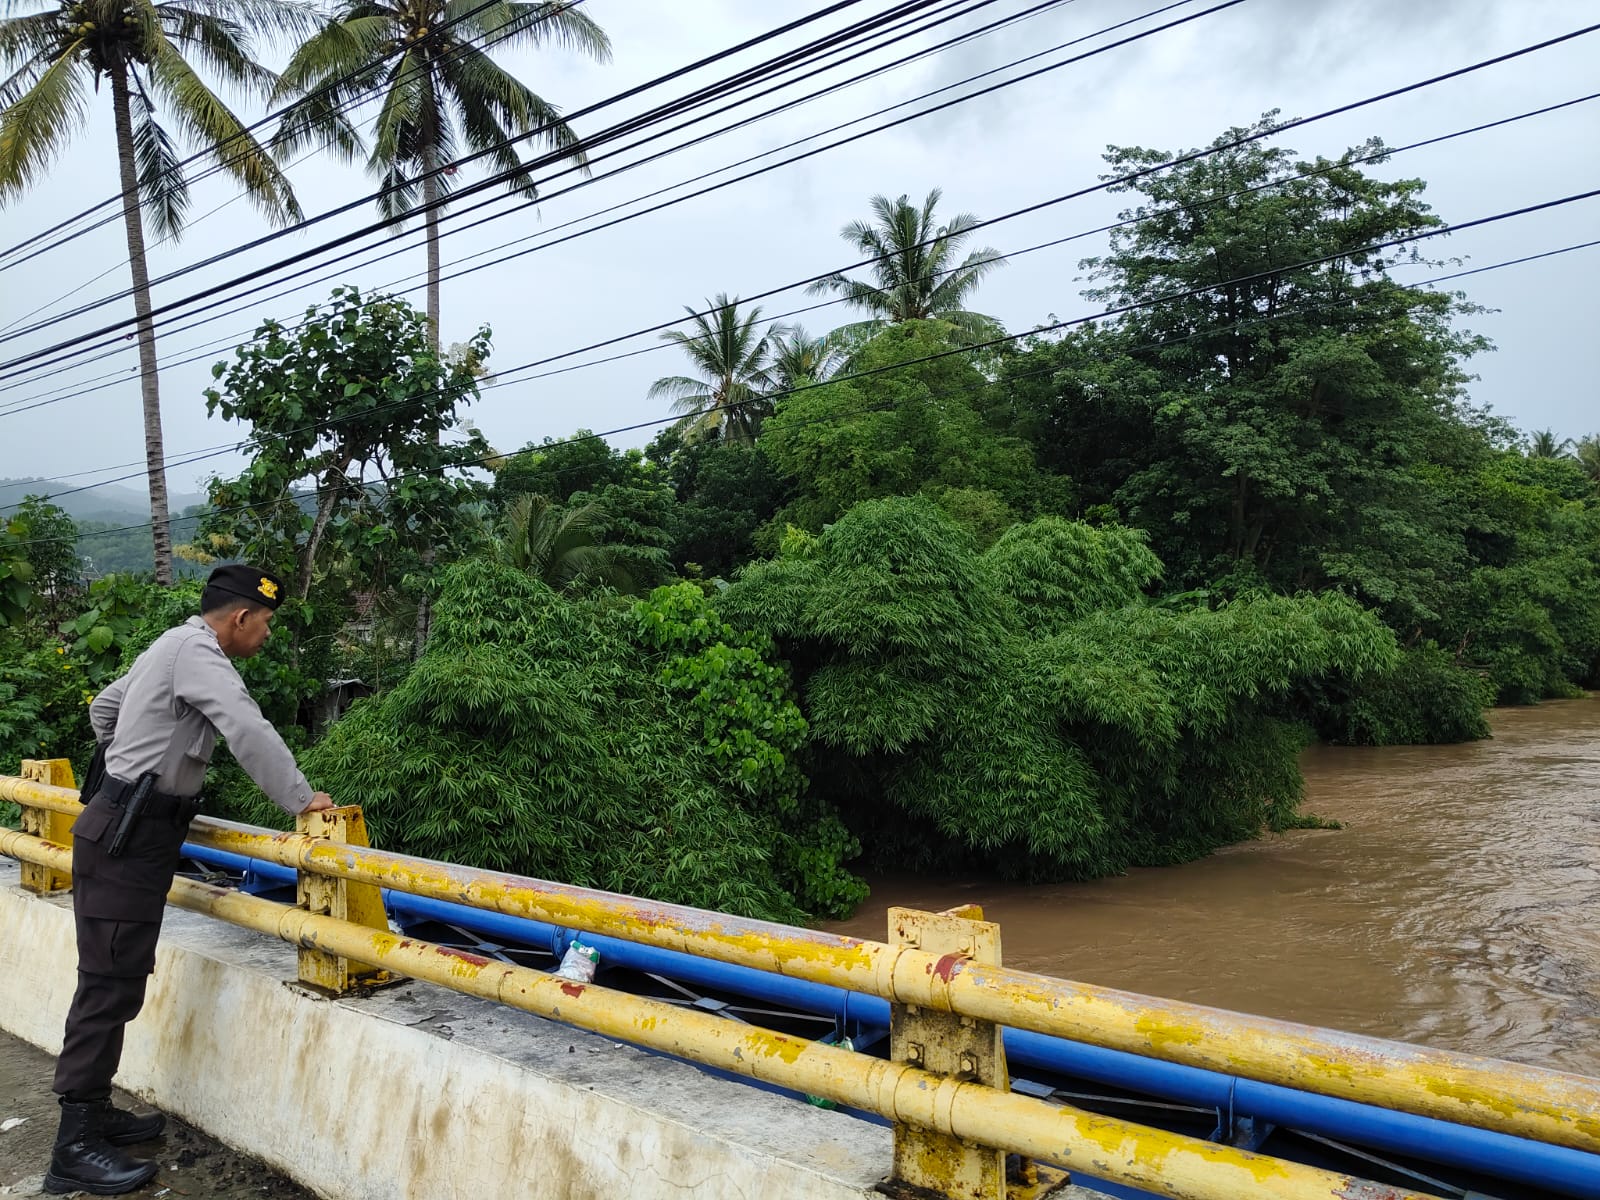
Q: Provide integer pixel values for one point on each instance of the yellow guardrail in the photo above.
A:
(1552, 1106)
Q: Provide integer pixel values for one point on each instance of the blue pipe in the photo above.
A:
(1556, 1168)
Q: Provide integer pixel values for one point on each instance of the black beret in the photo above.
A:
(252, 583)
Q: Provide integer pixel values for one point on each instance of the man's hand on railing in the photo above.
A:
(319, 802)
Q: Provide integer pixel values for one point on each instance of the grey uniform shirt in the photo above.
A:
(164, 715)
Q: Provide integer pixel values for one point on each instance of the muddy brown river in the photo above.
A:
(1459, 907)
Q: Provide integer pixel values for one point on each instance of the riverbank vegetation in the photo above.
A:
(912, 592)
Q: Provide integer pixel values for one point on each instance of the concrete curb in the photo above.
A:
(419, 1092)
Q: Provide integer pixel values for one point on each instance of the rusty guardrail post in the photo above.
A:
(42, 822)
(927, 1163)
(359, 903)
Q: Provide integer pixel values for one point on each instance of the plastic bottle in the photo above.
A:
(579, 962)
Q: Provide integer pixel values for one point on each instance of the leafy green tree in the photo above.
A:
(628, 508)
(1058, 571)
(44, 713)
(560, 467)
(16, 573)
(444, 96)
(1425, 698)
(592, 744)
(1281, 427)
(725, 492)
(752, 730)
(728, 395)
(148, 51)
(894, 429)
(52, 552)
(634, 524)
(1528, 612)
(347, 414)
(1034, 717)
(916, 275)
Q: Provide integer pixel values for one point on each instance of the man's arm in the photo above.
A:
(204, 679)
(103, 709)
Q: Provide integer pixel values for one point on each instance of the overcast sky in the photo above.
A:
(1175, 90)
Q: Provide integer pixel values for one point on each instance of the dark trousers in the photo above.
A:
(117, 906)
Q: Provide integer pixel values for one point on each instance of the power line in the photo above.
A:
(322, 89)
(1280, 127)
(739, 79)
(989, 344)
(118, 348)
(350, 104)
(205, 452)
(338, 242)
(1337, 164)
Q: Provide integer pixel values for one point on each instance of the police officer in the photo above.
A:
(157, 726)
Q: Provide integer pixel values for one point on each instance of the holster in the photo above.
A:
(137, 802)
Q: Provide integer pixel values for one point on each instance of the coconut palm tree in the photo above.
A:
(1587, 453)
(151, 54)
(800, 360)
(728, 396)
(443, 95)
(917, 276)
(1544, 445)
(560, 545)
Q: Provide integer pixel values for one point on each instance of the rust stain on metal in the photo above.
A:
(947, 966)
(476, 960)
(572, 989)
(1356, 1189)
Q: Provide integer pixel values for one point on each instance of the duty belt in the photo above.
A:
(180, 810)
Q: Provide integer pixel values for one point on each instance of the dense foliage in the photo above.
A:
(973, 724)
(641, 749)
(907, 593)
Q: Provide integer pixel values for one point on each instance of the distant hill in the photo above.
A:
(112, 504)
(111, 507)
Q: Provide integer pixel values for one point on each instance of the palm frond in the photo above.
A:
(560, 24)
(911, 261)
(953, 287)
(222, 47)
(287, 19)
(678, 388)
(798, 358)
(213, 124)
(560, 545)
(393, 135)
(35, 127)
(400, 192)
(340, 60)
(735, 364)
(24, 38)
(475, 80)
(971, 328)
(163, 190)
(320, 121)
(19, 82)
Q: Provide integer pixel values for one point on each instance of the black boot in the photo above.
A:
(126, 1128)
(84, 1161)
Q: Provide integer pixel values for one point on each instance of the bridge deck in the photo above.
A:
(420, 1091)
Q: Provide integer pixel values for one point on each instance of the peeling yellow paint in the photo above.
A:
(1550, 1106)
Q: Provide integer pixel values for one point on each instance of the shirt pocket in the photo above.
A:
(200, 746)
